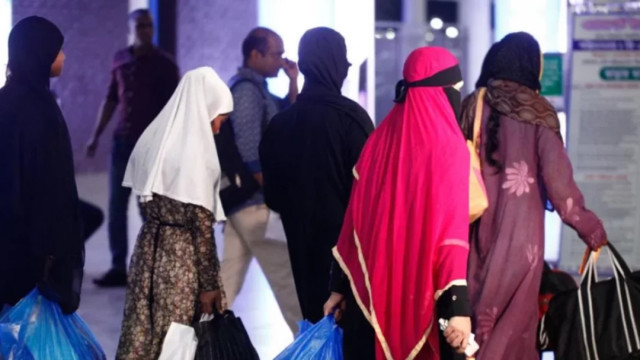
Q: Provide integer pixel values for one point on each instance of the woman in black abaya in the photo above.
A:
(40, 232)
(307, 153)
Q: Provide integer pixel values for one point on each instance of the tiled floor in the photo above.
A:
(102, 308)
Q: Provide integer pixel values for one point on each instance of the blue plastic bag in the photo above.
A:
(303, 326)
(36, 329)
(322, 341)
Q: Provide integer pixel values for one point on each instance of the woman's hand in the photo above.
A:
(337, 303)
(457, 333)
(209, 299)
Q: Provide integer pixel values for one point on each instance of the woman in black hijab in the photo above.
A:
(307, 155)
(40, 238)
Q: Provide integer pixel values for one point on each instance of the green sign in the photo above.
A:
(552, 75)
(619, 73)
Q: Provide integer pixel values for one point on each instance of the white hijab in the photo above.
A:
(176, 155)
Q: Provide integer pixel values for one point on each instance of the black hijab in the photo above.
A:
(39, 211)
(487, 63)
(517, 58)
(34, 44)
(322, 58)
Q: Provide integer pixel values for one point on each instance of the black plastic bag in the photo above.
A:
(223, 338)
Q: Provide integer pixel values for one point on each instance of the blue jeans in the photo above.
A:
(118, 204)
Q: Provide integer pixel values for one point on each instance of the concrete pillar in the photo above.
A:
(475, 20)
(414, 26)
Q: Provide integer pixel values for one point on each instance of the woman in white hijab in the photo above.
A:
(174, 170)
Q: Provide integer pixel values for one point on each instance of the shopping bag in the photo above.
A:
(322, 341)
(223, 337)
(180, 343)
(303, 326)
(478, 200)
(598, 320)
(36, 329)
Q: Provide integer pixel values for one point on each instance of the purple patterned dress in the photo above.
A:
(507, 244)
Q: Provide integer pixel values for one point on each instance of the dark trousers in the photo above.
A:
(119, 203)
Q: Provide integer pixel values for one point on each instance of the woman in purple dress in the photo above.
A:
(524, 164)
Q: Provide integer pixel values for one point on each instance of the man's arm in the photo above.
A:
(105, 113)
(246, 120)
(107, 109)
(291, 69)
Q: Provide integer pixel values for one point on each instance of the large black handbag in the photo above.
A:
(223, 338)
(598, 321)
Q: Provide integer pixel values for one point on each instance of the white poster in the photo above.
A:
(604, 130)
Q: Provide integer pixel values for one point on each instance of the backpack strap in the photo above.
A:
(240, 80)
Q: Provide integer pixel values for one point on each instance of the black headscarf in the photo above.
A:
(487, 63)
(34, 44)
(517, 58)
(323, 58)
(40, 241)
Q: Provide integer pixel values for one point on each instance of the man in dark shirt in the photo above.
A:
(143, 79)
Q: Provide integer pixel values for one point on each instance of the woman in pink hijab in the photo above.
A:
(404, 242)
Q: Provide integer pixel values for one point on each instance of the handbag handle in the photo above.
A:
(618, 264)
(589, 269)
(585, 258)
(623, 267)
(477, 119)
